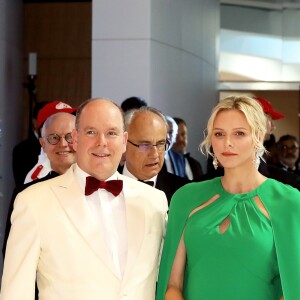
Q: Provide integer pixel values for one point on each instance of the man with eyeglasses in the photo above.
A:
(56, 141)
(145, 151)
(43, 167)
(57, 144)
(287, 150)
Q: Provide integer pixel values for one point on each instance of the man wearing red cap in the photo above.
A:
(271, 114)
(43, 166)
(51, 109)
(26, 153)
(57, 145)
(267, 169)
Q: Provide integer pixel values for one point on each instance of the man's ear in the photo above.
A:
(125, 138)
(74, 139)
(42, 142)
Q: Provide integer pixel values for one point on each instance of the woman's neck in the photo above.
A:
(239, 181)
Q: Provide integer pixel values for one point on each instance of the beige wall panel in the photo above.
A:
(60, 34)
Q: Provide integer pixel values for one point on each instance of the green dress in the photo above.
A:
(255, 258)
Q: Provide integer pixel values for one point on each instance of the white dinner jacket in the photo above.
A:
(52, 234)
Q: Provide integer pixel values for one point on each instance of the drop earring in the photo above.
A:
(215, 162)
(256, 160)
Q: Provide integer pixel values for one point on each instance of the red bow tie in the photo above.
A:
(112, 186)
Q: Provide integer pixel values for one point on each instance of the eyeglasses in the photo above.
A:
(161, 146)
(293, 148)
(54, 138)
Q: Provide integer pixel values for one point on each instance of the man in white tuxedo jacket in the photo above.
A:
(80, 241)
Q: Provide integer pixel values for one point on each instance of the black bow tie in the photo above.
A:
(112, 186)
(147, 182)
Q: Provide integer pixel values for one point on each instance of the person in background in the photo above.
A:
(287, 153)
(146, 146)
(128, 104)
(91, 233)
(227, 237)
(133, 103)
(174, 161)
(193, 169)
(25, 154)
(56, 142)
(43, 165)
(272, 115)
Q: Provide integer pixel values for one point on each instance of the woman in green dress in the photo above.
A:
(235, 237)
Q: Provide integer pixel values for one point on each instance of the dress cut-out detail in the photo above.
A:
(208, 202)
(261, 207)
(224, 225)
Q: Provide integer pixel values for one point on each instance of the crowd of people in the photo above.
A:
(113, 206)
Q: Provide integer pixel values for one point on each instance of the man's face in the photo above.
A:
(61, 155)
(181, 139)
(289, 152)
(146, 128)
(100, 140)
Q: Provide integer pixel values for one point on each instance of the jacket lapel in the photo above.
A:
(73, 202)
(135, 216)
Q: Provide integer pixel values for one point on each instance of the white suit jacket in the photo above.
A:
(53, 235)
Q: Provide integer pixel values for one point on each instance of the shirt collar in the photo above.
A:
(128, 174)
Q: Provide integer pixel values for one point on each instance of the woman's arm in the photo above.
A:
(175, 284)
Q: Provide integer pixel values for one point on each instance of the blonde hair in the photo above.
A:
(255, 117)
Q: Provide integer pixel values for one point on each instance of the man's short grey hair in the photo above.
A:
(131, 114)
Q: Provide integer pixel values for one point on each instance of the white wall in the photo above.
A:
(10, 98)
(165, 51)
(266, 49)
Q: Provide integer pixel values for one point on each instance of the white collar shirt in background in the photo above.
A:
(128, 174)
(188, 170)
(109, 213)
(168, 163)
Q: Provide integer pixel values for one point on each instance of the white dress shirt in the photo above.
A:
(109, 213)
(188, 170)
(168, 163)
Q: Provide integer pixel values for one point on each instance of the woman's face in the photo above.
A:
(232, 140)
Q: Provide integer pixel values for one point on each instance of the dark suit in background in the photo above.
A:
(265, 169)
(195, 166)
(25, 156)
(167, 182)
